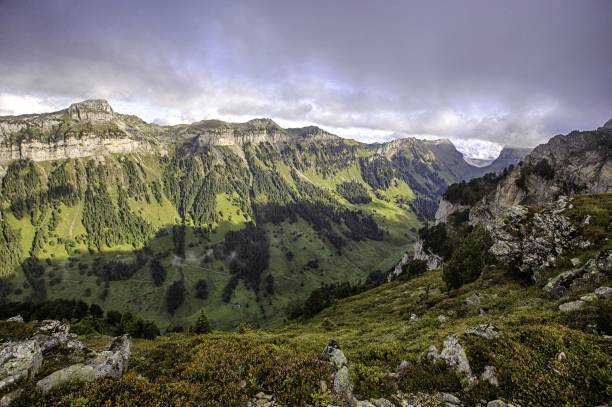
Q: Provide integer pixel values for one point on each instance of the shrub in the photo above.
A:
(468, 259)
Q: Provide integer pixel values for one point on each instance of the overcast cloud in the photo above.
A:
(483, 73)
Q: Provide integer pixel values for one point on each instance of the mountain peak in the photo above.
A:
(263, 123)
(608, 124)
(91, 110)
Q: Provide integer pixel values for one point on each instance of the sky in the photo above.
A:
(483, 73)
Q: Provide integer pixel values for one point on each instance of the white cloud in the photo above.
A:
(13, 104)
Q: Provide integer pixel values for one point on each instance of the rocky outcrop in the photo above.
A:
(21, 361)
(487, 331)
(110, 363)
(92, 110)
(573, 280)
(507, 157)
(580, 163)
(531, 241)
(446, 208)
(341, 381)
(453, 355)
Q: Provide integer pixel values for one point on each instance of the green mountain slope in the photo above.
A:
(242, 220)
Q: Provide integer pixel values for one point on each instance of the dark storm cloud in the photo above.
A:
(511, 72)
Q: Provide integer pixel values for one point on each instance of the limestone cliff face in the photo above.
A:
(218, 133)
(72, 148)
(85, 129)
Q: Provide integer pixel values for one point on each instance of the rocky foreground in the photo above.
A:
(53, 346)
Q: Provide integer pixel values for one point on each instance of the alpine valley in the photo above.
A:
(244, 220)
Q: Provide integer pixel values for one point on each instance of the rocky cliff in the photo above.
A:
(572, 164)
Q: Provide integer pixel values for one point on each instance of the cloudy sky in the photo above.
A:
(484, 73)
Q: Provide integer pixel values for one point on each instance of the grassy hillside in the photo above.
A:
(542, 357)
(90, 229)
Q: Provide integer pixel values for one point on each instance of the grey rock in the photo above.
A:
(382, 402)
(603, 292)
(574, 280)
(442, 318)
(571, 306)
(531, 242)
(364, 403)
(110, 363)
(497, 403)
(8, 398)
(561, 356)
(451, 399)
(473, 299)
(488, 331)
(342, 383)
(332, 353)
(16, 318)
(403, 365)
(455, 358)
(490, 375)
(19, 361)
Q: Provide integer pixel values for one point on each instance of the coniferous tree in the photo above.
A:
(202, 325)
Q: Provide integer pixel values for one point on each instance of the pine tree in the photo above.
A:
(202, 325)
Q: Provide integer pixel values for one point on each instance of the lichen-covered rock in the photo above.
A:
(489, 375)
(571, 306)
(574, 280)
(332, 353)
(263, 400)
(603, 292)
(382, 402)
(8, 398)
(455, 358)
(110, 363)
(52, 334)
(532, 241)
(341, 382)
(19, 361)
(488, 331)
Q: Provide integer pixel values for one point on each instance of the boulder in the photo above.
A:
(332, 353)
(382, 402)
(16, 318)
(490, 375)
(451, 399)
(19, 361)
(603, 292)
(110, 363)
(571, 306)
(455, 358)
(532, 241)
(488, 331)
(341, 382)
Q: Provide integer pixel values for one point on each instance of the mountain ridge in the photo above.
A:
(25, 130)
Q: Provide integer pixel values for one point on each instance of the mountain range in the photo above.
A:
(243, 219)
